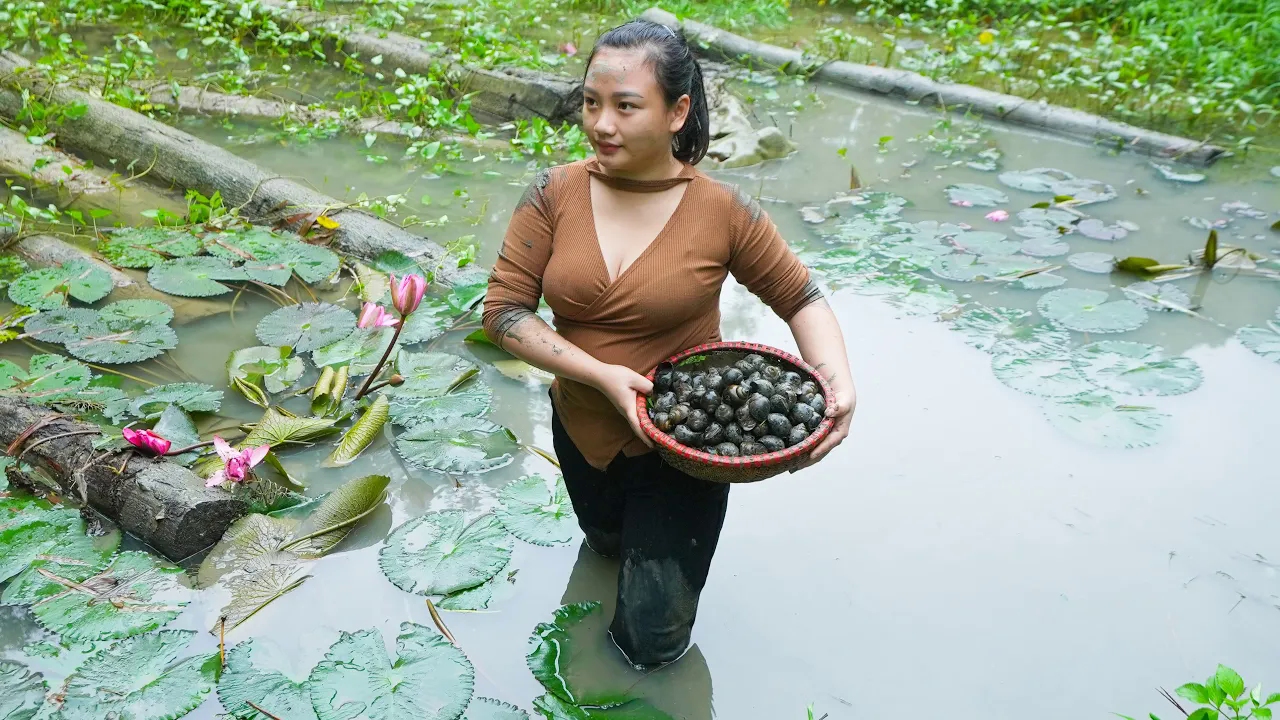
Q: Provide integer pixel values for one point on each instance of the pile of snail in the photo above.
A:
(751, 407)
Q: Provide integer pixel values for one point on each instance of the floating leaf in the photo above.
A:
(273, 368)
(536, 512)
(1162, 296)
(11, 267)
(48, 378)
(194, 276)
(439, 553)
(962, 268)
(22, 692)
(472, 401)
(30, 530)
(429, 680)
(276, 428)
(552, 651)
(982, 242)
(1169, 173)
(482, 708)
(479, 597)
(553, 708)
(1131, 368)
(252, 591)
(1058, 183)
(251, 543)
(146, 247)
(429, 373)
(1038, 281)
(1090, 311)
(56, 543)
(1263, 341)
(456, 445)
(361, 434)
(63, 324)
(975, 195)
(338, 515)
(1047, 374)
(467, 293)
(48, 288)
(522, 371)
(244, 679)
(271, 258)
(125, 346)
(1095, 418)
(307, 326)
(1008, 330)
(1052, 219)
(432, 318)
(360, 350)
(1098, 230)
(140, 678)
(192, 397)
(134, 595)
(1093, 262)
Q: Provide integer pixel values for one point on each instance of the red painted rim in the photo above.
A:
(669, 443)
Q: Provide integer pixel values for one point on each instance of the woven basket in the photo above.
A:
(753, 468)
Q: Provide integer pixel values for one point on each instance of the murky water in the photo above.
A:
(957, 551)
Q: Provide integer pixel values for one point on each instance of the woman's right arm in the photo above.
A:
(511, 302)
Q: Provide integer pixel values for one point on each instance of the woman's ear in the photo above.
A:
(678, 113)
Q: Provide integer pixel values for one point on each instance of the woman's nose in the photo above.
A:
(606, 123)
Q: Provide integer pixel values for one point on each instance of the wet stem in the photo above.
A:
(364, 389)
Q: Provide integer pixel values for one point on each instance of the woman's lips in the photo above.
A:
(607, 148)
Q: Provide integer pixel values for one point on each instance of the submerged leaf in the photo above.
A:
(252, 591)
(140, 678)
(482, 708)
(439, 553)
(1263, 341)
(48, 288)
(1097, 419)
(1044, 374)
(1008, 330)
(338, 515)
(244, 679)
(361, 434)
(457, 445)
(537, 512)
(146, 247)
(479, 597)
(431, 679)
(22, 692)
(194, 276)
(307, 326)
(1090, 311)
(134, 595)
(1131, 368)
(192, 397)
(1098, 230)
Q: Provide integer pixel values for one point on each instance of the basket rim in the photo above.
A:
(778, 457)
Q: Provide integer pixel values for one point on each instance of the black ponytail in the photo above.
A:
(677, 73)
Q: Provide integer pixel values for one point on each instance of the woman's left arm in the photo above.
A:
(821, 343)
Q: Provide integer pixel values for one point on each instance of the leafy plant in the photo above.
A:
(1222, 695)
(50, 287)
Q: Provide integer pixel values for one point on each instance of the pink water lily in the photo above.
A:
(147, 440)
(373, 315)
(237, 464)
(407, 293)
(998, 215)
(569, 49)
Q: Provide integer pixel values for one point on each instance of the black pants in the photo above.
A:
(663, 525)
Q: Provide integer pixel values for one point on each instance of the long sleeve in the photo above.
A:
(515, 283)
(762, 261)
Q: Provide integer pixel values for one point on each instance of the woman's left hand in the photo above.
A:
(842, 416)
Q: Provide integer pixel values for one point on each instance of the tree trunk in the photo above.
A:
(886, 81)
(159, 502)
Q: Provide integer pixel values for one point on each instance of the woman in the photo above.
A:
(631, 248)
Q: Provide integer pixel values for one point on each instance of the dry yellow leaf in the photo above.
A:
(327, 222)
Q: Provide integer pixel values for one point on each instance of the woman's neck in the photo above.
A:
(664, 169)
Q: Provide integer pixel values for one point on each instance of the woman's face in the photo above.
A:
(624, 113)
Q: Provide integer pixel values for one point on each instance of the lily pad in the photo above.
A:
(457, 445)
(252, 591)
(307, 326)
(194, 276)
(975, 195)
(1051, 181)
(276, 428)
(432, 318)
(271, 258)
(54, 543)
(335, 517)
(244, 679)
(430, 679)
(1131, 368)
(1043, 374)
(1159, 296)
(1098, 230)
(983, 242)
(125, 346)
(1056, 219)
(440, 553)
(429, 373)
(1093, 262)
(11, 266)
(1090, 311)
(553, 708)
(1044, 247)
(471, 401)
(1009, 330)
(1169, 173)
(48, 378)
(30, 530)
(251, 543)
(271, 367)
(479, 597)
(1263, 341)
(147, 247)
(482, 708)
(22, 692)
(63, 324)
(1097, 419)
(48, 288)
(140, 678)
(1038, 281)
(552, 651)
(536, 511)
(360, 350)
(192, 397)
(133, 595)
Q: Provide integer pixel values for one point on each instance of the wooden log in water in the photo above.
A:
(902, 83)
(184, 161)
(159, 502)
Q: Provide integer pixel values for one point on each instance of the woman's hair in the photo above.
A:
(677, 73)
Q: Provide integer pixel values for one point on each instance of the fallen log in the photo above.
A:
(159, 502)
(184, 161)
(886, 81)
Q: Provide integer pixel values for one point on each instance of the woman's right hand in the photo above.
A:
(620, 384)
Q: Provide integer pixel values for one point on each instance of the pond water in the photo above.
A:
(958, 548)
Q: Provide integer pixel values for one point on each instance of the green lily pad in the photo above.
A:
(975, 195)
(1044, 374)
(147, 247)
(1131, 368)
(429, 373)
(251, 543)
(1169, 173)
(140, 678)
(244, 679)
(479, 597)
(553, 649)
(1097, 419)
(58, 545)
(1093, 262)
(22, 692)
(271, 258)
(276, 428)
(48, 288)
(429, 680)
(48, 378)
(125, 346)
(924, 298)
(274, 368)
(482, 708)
(1098, 230)
(192, 397)
(471, 401)
(1090, 311)
(440, 553)
(1055, 219)
(962, 268)
(63, 324)
(1044, 247)
(553, 708)
(1039, 281)
(1008, 330)
(1159, 296)
(136, 313)
(984, 242)
(29, 530)
(134, 595)
(252, 591)
(11, 266)
(457, 445)
(194, 276)
(107, 405)
(536, 511)
(360, 350)
(1050, 181)
(307, 326)
(1263, 341)
(432, 318)
(176, 426)
(883, 206)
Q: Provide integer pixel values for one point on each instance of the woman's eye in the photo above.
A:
(625, 106)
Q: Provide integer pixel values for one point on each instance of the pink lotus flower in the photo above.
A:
(569, 49)
(147, 440)
(998, 215)
(237, 464)
(373, 315)
(407, 293)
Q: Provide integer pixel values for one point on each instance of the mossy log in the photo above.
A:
(952, 96)
(159, 502)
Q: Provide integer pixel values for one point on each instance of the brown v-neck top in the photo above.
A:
(667, 300)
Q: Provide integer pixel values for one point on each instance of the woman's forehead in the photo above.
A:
(628, 67)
